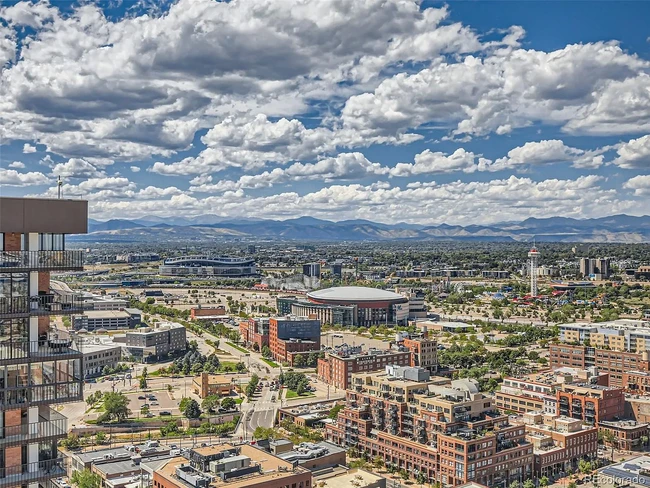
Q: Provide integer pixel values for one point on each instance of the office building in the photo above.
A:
(99, 356)
(447, 431)
(290, 335)
(597, 268)
(103, 304)
(154, 343)
(339, 364)
(417, 309)
(232, 467)
(92, 320)
(559, 443)
(255, 331)
(41, 366)
(336, 270)
(209, 313)
(311, 270)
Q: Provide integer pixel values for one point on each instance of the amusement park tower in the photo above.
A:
(533, 254)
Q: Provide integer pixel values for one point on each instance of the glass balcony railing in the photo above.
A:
(26, 473)
(16, 261)
(50, 425)
(48, 304)
(56, 346)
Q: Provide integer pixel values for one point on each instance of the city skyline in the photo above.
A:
(418, 112)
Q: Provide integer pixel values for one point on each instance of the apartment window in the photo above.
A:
(51, 242)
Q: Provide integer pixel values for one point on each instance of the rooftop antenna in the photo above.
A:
(59, 183)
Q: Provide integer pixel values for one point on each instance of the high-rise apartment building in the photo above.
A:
(39, 365)
(594, 266)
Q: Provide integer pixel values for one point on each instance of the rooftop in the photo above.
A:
(622, 424)
(107, 314)
(354, 294)
(361, 477)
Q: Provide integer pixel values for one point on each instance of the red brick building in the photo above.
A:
(201, 313)
(591, 403)
(255, 331)
(291, 335)
(336, 368)
(424, 352)
(628, 434)
(616, 363)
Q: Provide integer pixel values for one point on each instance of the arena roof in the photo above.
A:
(354, 294)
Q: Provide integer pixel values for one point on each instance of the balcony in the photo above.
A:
(53, 346)
(51, 425)
(20, 261)
(49, 304)
(32, 472)
(60, 392)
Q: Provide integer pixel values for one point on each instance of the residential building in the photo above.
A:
(232, 467)
(209, 313)
(559, 443)
(40, 366)
(536, 392)
(496, 274)
(92, 320)
(605, 360)
(597, 268)
(292, 334)
(207, 384)
(99, 356)
(339, 364)
(424, 351)
(637, 382)
(154, 343)
(448, 431)
(255, 331)
(591, 403)
(628, 434)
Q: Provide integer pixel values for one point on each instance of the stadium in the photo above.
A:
(208, 266)
(373, 306)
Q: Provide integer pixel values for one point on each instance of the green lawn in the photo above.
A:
(270, 363)
(226, 366)
(241, 349)
(292, 394)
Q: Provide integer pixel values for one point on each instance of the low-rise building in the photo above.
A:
(205, 384)
(154, 343)
(99, 356)
(424, 351)
(232, 467)
(92, 320)
(255, 331)
(306, 415)
(559, 443)
(591, 403)
(208, 313)
(627, 434)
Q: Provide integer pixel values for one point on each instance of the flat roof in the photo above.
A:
(355, 294)
(106, 314)
(358, 478)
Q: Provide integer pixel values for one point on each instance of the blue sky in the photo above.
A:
(424, 112)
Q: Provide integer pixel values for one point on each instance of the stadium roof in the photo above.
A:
(354, 294)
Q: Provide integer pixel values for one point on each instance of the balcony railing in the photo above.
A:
(16, 261)
(49, 304)
(53, 427)
(62, 392)
(23, 474)
(58, 346)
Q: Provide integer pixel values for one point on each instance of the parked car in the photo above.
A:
(165, 412)
(141, 397)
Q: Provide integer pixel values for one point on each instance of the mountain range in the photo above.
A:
(615, 228)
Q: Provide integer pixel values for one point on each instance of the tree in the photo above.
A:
(143, 383)
(116, 407)
(192, 410)
(145, 373)
(543, 481)
(529, 484)
(183, 403)
(100, 437)
(256, 347)
(266, 352)
(228, 403)
(378, 462)
(210, 403)
(334, 412)
(514, 484)
(240, 367)
(421, 477)
(299, 362)
(609, 438)
(71, 442)
(86, 479)
(263, 433)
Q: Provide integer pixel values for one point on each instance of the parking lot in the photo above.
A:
(163, 402)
